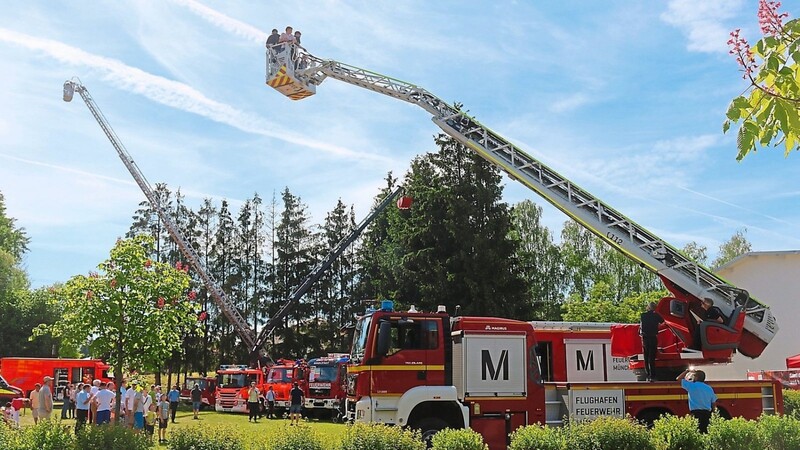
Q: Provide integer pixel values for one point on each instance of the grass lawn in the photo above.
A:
(251, 432)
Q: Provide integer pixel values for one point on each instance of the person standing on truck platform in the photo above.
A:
(174, 397)
(270, 403)
(273, 38)
(296, 406)
(252, 402)
(34, 402)
(649, 322)
(702, 399)
(712, 314)
(46, 399)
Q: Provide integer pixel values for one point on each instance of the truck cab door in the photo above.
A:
(411, 358)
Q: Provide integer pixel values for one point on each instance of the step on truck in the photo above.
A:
(429, 371)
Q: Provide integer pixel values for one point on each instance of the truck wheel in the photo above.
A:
(428, 427)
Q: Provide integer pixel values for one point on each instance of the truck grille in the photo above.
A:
(319, 393)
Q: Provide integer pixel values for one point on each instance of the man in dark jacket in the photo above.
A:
(649, 322)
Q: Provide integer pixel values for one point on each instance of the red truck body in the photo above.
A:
(208, 387)
(24, 373)
(429, 372)
(325, 393)
(233, 383)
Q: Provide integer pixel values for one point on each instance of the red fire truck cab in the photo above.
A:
(325, 391)
(430, 371)
(233, 382)
(24, 373)
(281, 377)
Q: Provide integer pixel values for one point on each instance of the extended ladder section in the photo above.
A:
(320, 269)
(228, 309)
(682, 276)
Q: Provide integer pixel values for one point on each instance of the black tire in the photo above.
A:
(428, 427)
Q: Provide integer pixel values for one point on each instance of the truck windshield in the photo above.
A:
(360, 338)
(232, 380)
(3, 383)
(280, 376)
(323, 374)
(201, 382)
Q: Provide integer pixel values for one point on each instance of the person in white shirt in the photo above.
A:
(128, 403)
(104, 399)
(288, 36)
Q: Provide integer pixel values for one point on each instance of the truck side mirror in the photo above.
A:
(384, 339)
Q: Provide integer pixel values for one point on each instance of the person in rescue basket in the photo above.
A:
(273, 38)
(702, 399)
(648, 327)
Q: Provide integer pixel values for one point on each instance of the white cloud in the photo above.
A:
(703, 22)
(569, 102)
(174, 94)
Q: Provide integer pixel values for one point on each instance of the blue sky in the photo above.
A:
(625, 98)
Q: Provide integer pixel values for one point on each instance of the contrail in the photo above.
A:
(174, 94)
(228, 24)
(83, 173)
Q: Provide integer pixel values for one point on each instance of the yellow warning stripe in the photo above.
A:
(648, 398)
(6, 392)
(300, 95)
(394, 368)
(280, 79)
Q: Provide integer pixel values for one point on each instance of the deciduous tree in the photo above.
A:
(133, 310)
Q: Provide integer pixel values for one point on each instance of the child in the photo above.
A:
(163, 419)
(8, 415)
(150, 420)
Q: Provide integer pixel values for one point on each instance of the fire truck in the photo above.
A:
(24, 373)
(234, 381)
(421, 370)
(431, 371)
(208, 387)
(281, 378)
(325, 391)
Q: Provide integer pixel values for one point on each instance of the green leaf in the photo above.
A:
(726, 126)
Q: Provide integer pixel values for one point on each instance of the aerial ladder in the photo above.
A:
(294, 72)
(255, 343)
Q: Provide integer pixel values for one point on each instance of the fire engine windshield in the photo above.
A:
(281, 375)
(3, 383)
(323, 374)
(202, 382)
(360, 338)
(232, 380)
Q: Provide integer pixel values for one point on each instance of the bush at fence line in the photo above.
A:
(205, 438)
(779, 433)
(287, 437)
(791, 403)
(111, 437)
(676, 433)
(537, 437)
(362, 436)
(734, 434)
(461, 439)
(607, 433)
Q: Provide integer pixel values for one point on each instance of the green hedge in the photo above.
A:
(463, 439)
(206, 438)
(791, 403)
(676, 433)
(362, 436)
(780, 433)
(538, 437)
(607, 433)
(289, 437)
(734, 434)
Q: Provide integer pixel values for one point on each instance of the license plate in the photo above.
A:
(227, 409)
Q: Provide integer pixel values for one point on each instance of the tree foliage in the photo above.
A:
(736, 246)
(768, 112)
(132, 312)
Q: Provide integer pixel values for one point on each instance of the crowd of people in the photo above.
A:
(143, 407)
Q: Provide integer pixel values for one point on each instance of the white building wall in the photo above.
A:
(774, 279)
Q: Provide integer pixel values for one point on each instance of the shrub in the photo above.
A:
(607, 433)
(676, 433)
(537, 437)
(46, 435)
(300, 437)
(205, 438)
(362, 436)
(111, 437)
(780, 433)
(463, 439)
(791, 403)
(734, 434)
